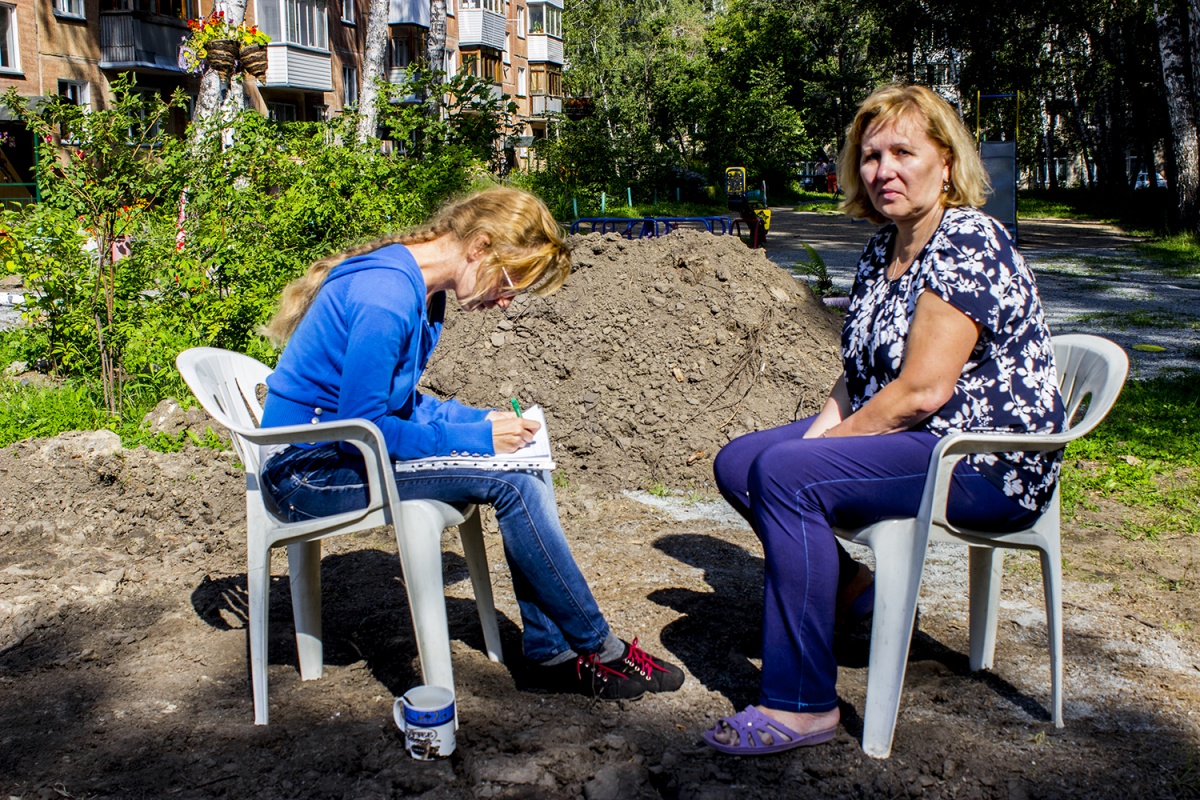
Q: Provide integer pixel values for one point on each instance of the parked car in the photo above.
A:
(1143, 181)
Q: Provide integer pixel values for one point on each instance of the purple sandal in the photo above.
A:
(758, 735)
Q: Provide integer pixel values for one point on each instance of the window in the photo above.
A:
(299, 22)
(281, 112)
(522, 89)
(483, 63)
(148, 99)
(183, 9)
(545, 19)
(349, 86)
(520, 22)
(495, 6)
(348, 17)
(547, 82)
(507, 48)
(75, 91)
(68, 8)
(8, 39)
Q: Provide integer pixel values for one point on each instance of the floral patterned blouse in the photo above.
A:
(1009, 382)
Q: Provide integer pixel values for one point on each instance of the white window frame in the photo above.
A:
(522, 82)
(292, 19)
(11, 40)
(521, 22)
(451, 7)
(78, 92)
(507, 47)
(349, 86)
(348, 13)
(73, 9)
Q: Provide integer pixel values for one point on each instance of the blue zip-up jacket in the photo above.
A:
(359, 352)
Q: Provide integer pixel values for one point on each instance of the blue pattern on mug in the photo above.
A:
(428, 719)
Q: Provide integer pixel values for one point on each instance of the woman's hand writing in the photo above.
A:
(512, 433)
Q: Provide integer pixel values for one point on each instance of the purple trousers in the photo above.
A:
(793, 491)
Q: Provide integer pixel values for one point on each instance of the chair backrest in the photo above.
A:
(1088, 367)
(226, 384)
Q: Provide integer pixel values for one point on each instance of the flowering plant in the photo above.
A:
(203, 31)
(251, 35)
(212, 28)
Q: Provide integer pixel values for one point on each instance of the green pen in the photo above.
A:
(516, 406)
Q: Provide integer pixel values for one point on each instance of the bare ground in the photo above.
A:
(122, 594)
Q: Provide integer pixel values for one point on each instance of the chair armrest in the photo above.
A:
(362, 433)
(953, 448)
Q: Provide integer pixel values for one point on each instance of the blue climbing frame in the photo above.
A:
(649, 227)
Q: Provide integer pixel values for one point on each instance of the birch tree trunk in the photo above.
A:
(219, 101)
(1172, 23)
(377, 35)
(435, 53)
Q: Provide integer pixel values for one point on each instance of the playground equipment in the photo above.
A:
(751, 205)
(650, 227)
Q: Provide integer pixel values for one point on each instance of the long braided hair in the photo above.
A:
(525, 242)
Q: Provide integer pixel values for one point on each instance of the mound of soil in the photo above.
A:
(654, 354)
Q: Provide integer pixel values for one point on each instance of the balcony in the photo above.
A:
(545, 48)
(478, 27)
(140, 40)
(292, 66)
(543, 105)
(408, 12)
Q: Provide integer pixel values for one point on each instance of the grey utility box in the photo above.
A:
(1000, 161)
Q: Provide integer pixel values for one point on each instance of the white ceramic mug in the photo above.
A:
(426, 715)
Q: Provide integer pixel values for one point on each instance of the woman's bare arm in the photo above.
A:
(940, 341)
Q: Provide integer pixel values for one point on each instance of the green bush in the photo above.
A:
(214, 229)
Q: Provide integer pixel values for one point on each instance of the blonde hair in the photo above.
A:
(969, 183)
(525, 243)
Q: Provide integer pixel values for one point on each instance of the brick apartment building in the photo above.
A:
(76, 47)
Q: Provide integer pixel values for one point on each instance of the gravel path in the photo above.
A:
(1090, 280)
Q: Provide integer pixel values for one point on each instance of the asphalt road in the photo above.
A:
(1089, 277)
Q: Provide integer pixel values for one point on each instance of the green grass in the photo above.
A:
(1145, 455)
(1178, 254)
(34, 412)
(1145, 210)
(1139, 319)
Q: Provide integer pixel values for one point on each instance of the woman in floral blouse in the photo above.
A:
(945, 333)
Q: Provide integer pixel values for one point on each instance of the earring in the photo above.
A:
(945, 187)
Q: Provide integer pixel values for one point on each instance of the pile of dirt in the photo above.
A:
(654, 354)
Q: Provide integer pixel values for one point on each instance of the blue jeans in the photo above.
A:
(558, 610)
(793, 491)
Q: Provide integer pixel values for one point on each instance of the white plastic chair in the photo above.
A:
(1087, 366)
(226, 385)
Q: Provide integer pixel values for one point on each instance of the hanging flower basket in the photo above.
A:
(253, 59)
(222, 56)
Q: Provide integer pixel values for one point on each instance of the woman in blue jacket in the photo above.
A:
(360, 327)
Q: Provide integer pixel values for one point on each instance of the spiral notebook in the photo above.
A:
(533, 456)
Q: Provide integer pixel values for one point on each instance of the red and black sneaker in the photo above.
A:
(626, 678)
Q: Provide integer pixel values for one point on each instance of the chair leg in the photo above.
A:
(471, 531)
(304, 571)
(1052, 584)
(419, 539)
(258, 588)
(901, 546)
(986, 573)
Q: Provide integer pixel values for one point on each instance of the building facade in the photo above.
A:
(75, 48)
